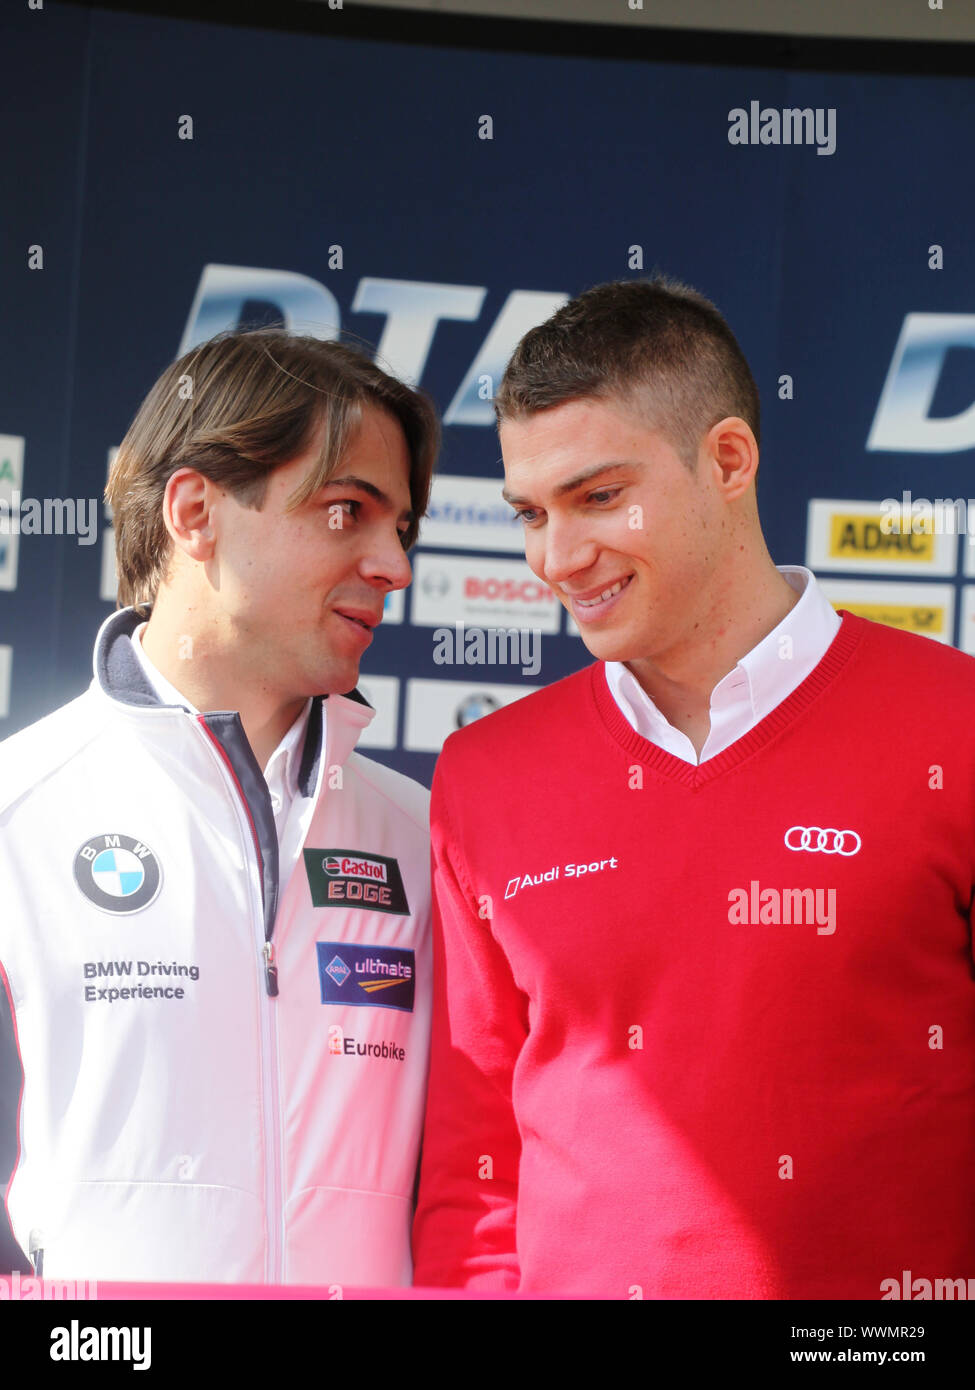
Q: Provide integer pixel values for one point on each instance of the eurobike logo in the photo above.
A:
(340, 1045)
(816, 840)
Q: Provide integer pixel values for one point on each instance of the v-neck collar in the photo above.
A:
(840, 650)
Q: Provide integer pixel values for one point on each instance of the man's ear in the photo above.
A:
(188, 513)
(732, 449)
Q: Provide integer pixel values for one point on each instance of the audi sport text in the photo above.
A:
(596, 866)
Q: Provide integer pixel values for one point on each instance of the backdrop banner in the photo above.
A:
(165, 179)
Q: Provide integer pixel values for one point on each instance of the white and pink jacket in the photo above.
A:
(213, 1049)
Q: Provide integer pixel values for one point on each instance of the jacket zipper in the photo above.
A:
(274, 1262)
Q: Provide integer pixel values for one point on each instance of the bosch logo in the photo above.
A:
(354, 868)
(815, 840)
(510, 590)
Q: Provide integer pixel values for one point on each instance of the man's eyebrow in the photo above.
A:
(586, 476)
(350, 480)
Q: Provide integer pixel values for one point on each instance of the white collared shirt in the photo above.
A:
(762, 679)
(281, 773)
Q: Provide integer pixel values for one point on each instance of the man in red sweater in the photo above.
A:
(705, 1000)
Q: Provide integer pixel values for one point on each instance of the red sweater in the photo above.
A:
(658, 1072)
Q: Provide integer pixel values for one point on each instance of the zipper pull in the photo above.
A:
(270, 969)
(35, 1251)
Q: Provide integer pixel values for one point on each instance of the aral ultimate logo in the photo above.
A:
(384, 976)
(117, 873)
(337, 971)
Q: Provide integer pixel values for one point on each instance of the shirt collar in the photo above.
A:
(168, 694)
(286, 758)
(771, 670)
(784, 658)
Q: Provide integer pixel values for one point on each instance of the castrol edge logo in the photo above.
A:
(353, 879)
(355, 868)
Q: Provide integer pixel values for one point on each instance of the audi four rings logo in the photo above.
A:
(813, 838)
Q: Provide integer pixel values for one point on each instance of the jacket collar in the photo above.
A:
(119, 676)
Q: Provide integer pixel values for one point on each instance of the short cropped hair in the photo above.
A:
(237, 407)
(656, 345)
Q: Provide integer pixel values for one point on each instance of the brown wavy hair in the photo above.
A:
(237, 407)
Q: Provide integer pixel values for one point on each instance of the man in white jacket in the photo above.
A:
(214, 944)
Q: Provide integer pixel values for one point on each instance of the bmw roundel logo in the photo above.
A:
(475, 707)
(117, 873)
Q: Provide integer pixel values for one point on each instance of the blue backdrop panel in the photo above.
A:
(305, 142)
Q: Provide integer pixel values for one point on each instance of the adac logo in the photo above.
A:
(117, 873)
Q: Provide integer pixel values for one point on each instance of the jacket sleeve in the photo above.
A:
(11, 1076)
(464, 1233)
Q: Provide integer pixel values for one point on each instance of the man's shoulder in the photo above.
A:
(915, 659)
(530, 717)
(909, 686)
(409, 797)
(38, 752)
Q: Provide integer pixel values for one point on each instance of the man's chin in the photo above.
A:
(341, 678)
(608, 646)
(324, 675)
